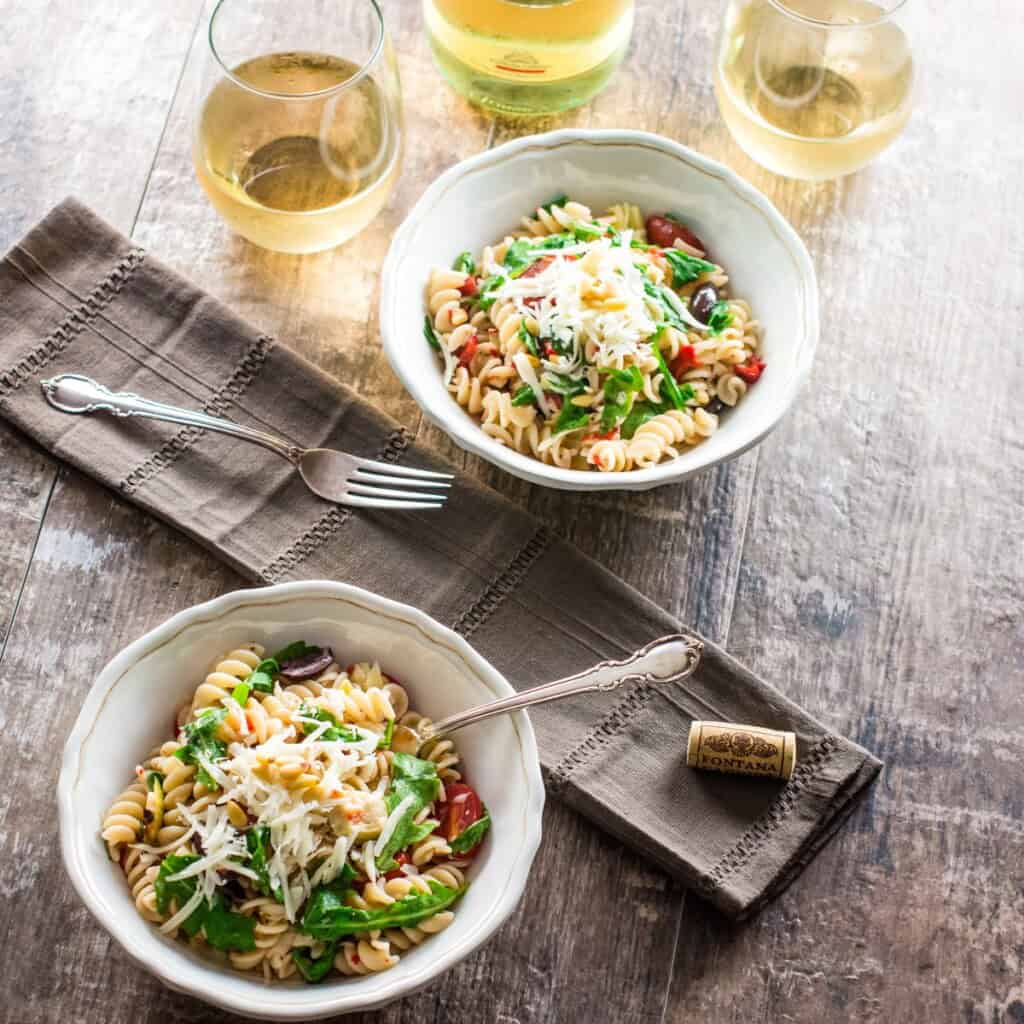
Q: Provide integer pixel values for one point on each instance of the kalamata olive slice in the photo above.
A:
(702, 301)
(664, 231)
(305, 666)
(715, 406)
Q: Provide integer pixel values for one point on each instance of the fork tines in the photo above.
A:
(386, 485)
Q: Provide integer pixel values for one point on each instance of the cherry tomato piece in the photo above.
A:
(397, 872)
(461, 808)
(469, 286)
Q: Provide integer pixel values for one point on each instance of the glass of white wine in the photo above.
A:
(814, 89)
(528, 56)
(299, 130)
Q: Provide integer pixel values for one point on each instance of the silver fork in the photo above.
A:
(336, 476)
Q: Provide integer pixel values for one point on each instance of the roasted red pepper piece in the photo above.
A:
(686, 359)
(468, 350)
(751, 371)
(469, 286)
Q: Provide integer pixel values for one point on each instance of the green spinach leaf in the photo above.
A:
(225, 929)
(620, 389)
(640, 414)
(410, 777)
(315, 969)
(328, 918)
(430, 334)
(336, 730)
(686, 268)
(489, 291)
(464, 262)
(472, 836)
(721, 317)
(571, 417)
(524, 396)
(201, 741)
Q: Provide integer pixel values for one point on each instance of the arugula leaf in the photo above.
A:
(472, 836)
(384, 743)
(180, 891)
(668, 383)
(336, 731)
(559, 200)
(524, 396)
(671, 316)
(293, 650)
(200, 740)
(257, 842)
(572, 417)
(721, 317)
(315, 969)
(527, 339)
(430, 334)
(488, 291)
(686, 268)
(152, 778)
(620, 388)
(639, 415)
(415, 777)
(561, 384)
(225, 929)
(464, 262)
(614, 235)
(328, 918)
(519, 256)
(559, 241)
(586, 232)
(240, 694)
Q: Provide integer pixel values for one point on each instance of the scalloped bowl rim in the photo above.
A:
(450, 418)
(185, 974)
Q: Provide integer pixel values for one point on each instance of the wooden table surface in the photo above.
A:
(867, 557)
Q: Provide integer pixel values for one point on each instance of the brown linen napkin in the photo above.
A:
(77, 296)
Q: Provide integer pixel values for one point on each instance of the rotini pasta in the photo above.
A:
(294, 782)
(574, 333)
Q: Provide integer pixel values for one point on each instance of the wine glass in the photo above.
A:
(815, 88)
(298, 133)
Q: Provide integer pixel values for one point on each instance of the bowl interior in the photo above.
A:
(765, 260)
(136, 714)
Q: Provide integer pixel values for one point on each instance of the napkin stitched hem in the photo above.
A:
(746, 846)
(78, 318)
(218, 404)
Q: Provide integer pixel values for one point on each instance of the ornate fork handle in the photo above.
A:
(76, 394)
(664, 661)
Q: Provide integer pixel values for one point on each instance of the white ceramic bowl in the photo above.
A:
(129, 711)
(479, 200)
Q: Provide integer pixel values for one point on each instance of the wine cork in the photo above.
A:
(743, 749)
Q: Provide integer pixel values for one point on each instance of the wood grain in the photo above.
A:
(867, 557)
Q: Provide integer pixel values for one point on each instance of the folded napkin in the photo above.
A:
(75, 295)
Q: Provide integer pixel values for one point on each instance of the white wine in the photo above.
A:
(528, 56)
(303, 169)
(813, 101)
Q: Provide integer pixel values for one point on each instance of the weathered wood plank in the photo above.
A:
(64, 118)
(881, 578)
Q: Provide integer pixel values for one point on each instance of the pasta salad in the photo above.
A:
(607, 343)
(296, 824)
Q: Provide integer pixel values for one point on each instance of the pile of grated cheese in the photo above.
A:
(557, 298)
(304, 825)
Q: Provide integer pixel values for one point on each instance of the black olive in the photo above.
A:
(702, 301)
(306, 666)
(715, 406)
